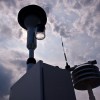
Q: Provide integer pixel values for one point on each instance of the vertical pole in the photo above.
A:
(31, 53)
(31, 45)
(91, 95)
(31, 40)
(31, 22)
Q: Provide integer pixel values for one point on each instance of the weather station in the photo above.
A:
(43, 81)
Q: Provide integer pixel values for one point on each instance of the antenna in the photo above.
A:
(67, 66)
(63, 49)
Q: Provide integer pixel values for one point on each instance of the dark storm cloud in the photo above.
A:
(5, 81)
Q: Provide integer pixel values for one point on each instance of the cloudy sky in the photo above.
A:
(77, 21)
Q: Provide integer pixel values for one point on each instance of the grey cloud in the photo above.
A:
(97, 30)
(19, 63)
(62, 17)
(17, 54)
(9, 3)
(77, 5)
(64, 24)
(70, 1)
(48, 6)
(88, 21)
(20, 33)
(63, 30)
(8, 18)
(7, 24)
(91, 29)
(47, 9)
(87, 2)
(56, 28)
(5, 31)
(98, 7)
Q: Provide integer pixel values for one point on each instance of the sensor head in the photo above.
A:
(31, 10)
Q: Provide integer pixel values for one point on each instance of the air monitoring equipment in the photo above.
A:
(85, 76)
(33, 19)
